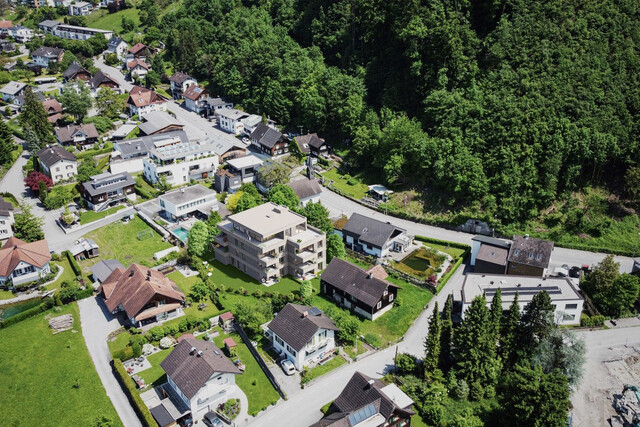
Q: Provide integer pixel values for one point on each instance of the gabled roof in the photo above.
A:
(5, 207)
(223, 142)
(365, 398)
(155, 121)
(52, 155)
(142, 145)
(305, 188)
(266, 135)
(138, 62)
(194, 92)
(52, 105)
(115, 41)
(12, 88)
(20, 99)
(104, 268)
(141, 97)
(5, 24)
(297, 324)
(191, 369)
(136, 287)
(83, 245)
(74, 69)
(370, 230)
(355, 281)
(530, 251)
(215, 102)
(66, 134)
(137, 48)
(310, 140)
(492, 254)
(179, 77)
(15, 251)
(47, 52)
(101, 78)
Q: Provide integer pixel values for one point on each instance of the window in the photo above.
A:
(390, 297)
(569, 317)
(379, 305)
(571, 306)
(279, 340)
(385, 293)
(516, 252)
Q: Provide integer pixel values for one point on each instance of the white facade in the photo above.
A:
(213, 392)
(5, 226)
(182, 87)
(43, 61)
(180, 163)
(181, 202)
(230, 120)
(21, 34)
(25, 272)
(72, 32)
(322, 344)
(61, 170)
(146, 109)
(119, 49)
(80, 8)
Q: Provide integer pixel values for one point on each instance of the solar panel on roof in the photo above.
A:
(315, 311)
(362, 414)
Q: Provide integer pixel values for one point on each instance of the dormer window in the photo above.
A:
(516, 252)
(530, 255)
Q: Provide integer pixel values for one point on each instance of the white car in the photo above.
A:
(287, 367)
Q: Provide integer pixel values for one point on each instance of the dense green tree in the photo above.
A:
(31, 139)
(247, 201)
(306, 291)
(632, 182)
(58, 197)
(76, 99)
(42, 191)
(531, 398)
(446, 336)
(198, 238)
(86, 169)
(67, 59)
(618, 299)
(318, 216)
(335, 247)
(273, 173)
(495, 314)
(212, 224)
(561, 351)
(108, 103)
(281, 194)
(6, 144)
(536, 323)
(601, 276)
(432, 343)
(509, 335)
(27, 226)
(199, 291)
(34, 119)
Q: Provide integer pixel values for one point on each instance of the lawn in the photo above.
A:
(155, 375)
(420, 263)
(358, 190)
(454, 252)
(118, 344)
(90, 216)
(103, 162)
(67, 274)
(50, 379)
(320, 370)
(185, 283)
(6, 294)
(104, 20)
(121, 241)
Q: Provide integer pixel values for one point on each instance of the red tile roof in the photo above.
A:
(132, 64)
(141, 97)
(229, 342)
(137, 48)
(226, 316)
(15, 251)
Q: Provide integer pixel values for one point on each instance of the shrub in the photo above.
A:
(477, 391)
(593, 321)
(134, 397)
(74, 264)
(462, 390)
(406, 364)
(352, 181)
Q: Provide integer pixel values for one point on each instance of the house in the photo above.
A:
(20, 100)
(216, 103)
(307, 190)
(179, 83)
(81, 8)
(303, 334)
(44, 55)
(11, 90)
(230, 120)
(373, 237)
(159, 122)
(199, 378)
(269, 141)
(57, 163)
(108, 189)
(195, 98)
(138, 68)
(179, 203)
(311, 144)
(84, 249)
(8, 47)
(54, 110)
(178, 162)
(48, 25)
(10, 66)
(239, 170)
(20, 34)
(140, 51)
(82, 136)
(118, 46)
(102, 80)
(268, 242)
(489, 255)
(22, 262)
(358, 289)
(129, 153)
(143, 294)
(368, 402)
(226, 146)
(565, 297)
(123, 131)
(143, 101)
(6, 219)
(72, 32)
(104, 268)
(529, 256)
(250, 123)
(75, 72)
(225, 320)
(379, 192)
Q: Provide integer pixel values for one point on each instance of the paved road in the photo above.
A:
(97, 324)
(339, 205)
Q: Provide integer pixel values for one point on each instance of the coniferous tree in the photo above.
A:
(446, 335)
(34, 117)
(6, 143)
(508, 334)
(432, 342)
(536, 323)
(33, 141)
(495, 314)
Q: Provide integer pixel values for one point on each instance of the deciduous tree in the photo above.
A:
(198, 238)
(27, 226)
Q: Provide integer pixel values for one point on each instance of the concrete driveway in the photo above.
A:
(97, 324)
(290, 384)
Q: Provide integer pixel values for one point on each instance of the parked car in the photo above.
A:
(212, 420)
(574, 271)
(287, 367)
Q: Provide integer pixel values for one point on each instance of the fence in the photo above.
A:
(259, 359)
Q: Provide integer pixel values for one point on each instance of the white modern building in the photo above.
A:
(184, 201)
(71, 32)
(180, 162)
(303, 334)
(20, 34)
(565, 296)
(118, 46)
(230, 120)
(81, 8)
(6, 219)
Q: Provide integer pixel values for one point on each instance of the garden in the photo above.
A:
(421, 263)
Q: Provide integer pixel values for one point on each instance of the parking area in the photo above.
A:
(290, 384)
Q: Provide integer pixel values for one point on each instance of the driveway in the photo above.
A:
(97, 324)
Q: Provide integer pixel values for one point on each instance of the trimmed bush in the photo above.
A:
(593, 321)
(74, 264)
(443, 242)
(132, 393)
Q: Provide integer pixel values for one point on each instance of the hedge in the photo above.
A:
(74, 264)
(445, 277)
(592, 321)
(46, 305)
(444, 243)
(90, 153)
(132, 393)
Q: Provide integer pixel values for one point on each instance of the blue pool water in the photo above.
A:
(182, 233)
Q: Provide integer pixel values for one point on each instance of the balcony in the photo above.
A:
(221, 240)
(305, 256)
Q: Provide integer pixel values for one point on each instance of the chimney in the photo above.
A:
(305, 313)
(526, 236)
(199, 353)
(193, 350)
(370, 275)
(369, 384)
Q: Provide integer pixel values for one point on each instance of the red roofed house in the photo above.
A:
(54, 110)
(138, 68)
(226, 320)
(22, 262)
(145, 295)
(195, 98)
(139, 51)
(142, 101)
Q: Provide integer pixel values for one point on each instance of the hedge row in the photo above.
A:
(445, 277)
(74, 264)
(444, 243)
(592, 321)
(46, 305)
(598, 249)
(90, 153)
(132, 393)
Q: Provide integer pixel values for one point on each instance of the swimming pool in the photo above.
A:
(182, 233)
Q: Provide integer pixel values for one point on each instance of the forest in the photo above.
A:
(506, 105)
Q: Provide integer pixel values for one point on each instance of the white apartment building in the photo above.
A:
(230, 120)
(183, 201)
(179, 162)
(6, 219)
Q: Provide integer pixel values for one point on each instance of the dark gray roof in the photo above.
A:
(370, 230)
(214, 102)
(186, 194)
(296, 328)
(492, 241)
(100, 78)
(266, 135)
(162, 416)
(73, 69)
(355, 281)
(223, 142)
(493, 254)
(65, 134)
(49, 23)
(106, 182)
(115, 41)
(19, 100)
(311, 140)
(158, 120)
(141, 146)
(530, 251)
(5, 207)
(103, 269)
(52, 155)
(179, 77)
(305, 188)
(191, 370)
(47, 52)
